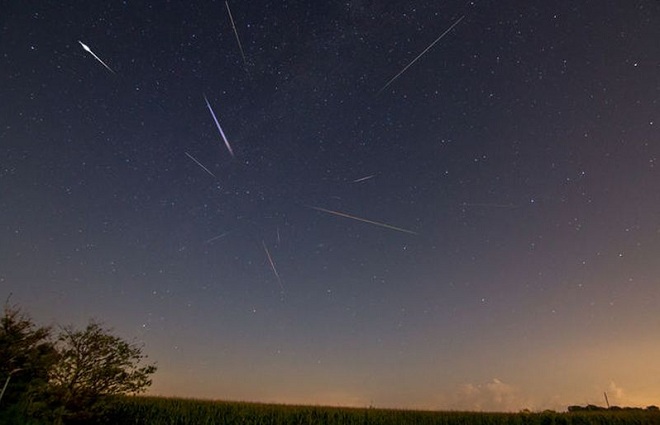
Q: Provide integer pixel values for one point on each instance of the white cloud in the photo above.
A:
(615, 392)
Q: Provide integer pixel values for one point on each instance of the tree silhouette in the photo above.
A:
(27, 355)
(93, 365)
(67, 380)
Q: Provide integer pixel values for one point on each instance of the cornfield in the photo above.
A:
(174, 411)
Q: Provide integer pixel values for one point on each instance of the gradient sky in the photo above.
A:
(522, 149)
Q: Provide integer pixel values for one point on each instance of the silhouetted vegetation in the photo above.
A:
(70, 378)
(594, 408)
(157, 410)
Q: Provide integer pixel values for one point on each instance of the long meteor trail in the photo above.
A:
(422, 54)
(364, 220)
(238, 40)
(272, 265)
(199, 163)
(217, 124)
(87, 49)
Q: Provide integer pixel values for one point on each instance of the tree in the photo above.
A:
(93, 365)
(67, 380)
(27, 354)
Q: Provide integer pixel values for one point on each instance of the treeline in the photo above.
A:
(66, 377)
(594, 408)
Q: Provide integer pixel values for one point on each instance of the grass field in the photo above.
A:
(173, 411)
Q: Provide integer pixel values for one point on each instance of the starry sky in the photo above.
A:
(516, 163)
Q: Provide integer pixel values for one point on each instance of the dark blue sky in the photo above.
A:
(521, 149)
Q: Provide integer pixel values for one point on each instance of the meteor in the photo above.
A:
(199, 163)
(422, 54)
(272, 265)
(238, 40)
(487, 205)
(217, 124)
(364, 220)
(220, 236)
(87, 49)
(364, 178)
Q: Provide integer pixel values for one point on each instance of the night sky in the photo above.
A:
(516, 163)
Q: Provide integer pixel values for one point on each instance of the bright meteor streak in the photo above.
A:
(217, 124)
(87, 49)
(364, 220)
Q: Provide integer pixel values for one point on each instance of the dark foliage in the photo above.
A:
(71, 379)
(27, 355)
